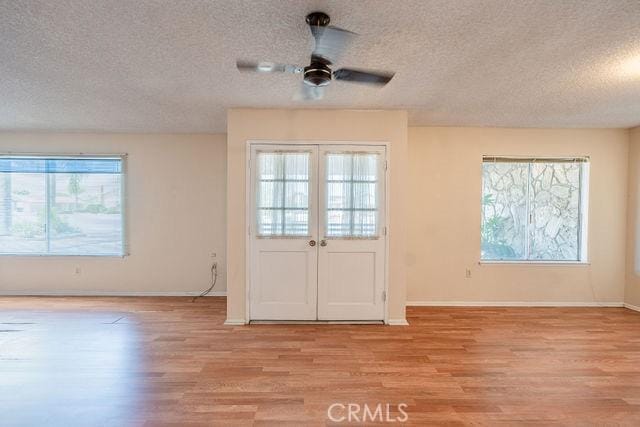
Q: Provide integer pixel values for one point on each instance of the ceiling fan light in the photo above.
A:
(265, 67)
(630, 67)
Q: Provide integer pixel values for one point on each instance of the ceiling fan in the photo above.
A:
(330, 42)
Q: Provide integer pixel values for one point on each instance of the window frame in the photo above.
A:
(123, 157)
(583, 209)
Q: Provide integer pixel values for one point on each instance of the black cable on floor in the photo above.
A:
(214, 280)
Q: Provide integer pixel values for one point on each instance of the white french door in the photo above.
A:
(318, 232)
(284, 265)
(351, 263)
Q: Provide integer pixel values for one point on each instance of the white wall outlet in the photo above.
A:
(467, 273)
(213, 254)
(78, 271)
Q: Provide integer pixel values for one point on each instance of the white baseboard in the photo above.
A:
(514, 304)
(631, 307)
(92, 293)
(397, 322)
(235, 322)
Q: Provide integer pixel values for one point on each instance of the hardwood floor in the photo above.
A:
(167, 361)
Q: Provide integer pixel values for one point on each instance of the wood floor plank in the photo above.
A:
(170, 362)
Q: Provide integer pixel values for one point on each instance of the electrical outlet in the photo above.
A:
(78, 271)
(213, 254)
(467, 273)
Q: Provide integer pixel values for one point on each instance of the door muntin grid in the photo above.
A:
(283, 193)
(352, 195)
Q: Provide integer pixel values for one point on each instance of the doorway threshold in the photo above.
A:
(316, 322)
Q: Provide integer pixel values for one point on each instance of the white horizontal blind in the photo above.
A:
(61, 205)
(352, 195)
(501, 159)
(532, 209)
(283, 193)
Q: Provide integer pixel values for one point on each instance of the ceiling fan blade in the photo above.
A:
(331, 42)
(267, 67)
(379, 78)
(310, 93)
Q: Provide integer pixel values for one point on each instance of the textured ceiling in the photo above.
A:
(169, 66)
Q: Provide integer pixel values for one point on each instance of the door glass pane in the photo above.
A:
(555, 211)
(352, 195)
(283, 193)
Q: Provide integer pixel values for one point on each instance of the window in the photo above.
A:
(61, 205)
(532, 209)
(352, 195)
(283, 194)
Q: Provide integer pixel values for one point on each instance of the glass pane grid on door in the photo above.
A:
(283, 194)
(352, 195)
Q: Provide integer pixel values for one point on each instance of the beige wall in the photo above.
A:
(313, 125)
(171, 245)
(632, 291)
(175, 214)
(444, 217)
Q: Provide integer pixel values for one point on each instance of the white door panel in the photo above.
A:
(279, 272)
(350, 276)
(287, 284)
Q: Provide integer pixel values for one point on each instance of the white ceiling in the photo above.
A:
(169, 66)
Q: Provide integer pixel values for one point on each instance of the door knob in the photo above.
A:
(312, 242)
(323, 242)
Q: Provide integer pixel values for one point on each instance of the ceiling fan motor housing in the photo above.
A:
(319, 19)
(317, 74)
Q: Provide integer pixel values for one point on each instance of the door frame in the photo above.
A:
(249, 213)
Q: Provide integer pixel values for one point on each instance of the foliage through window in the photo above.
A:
(532, 209)
(61, 206)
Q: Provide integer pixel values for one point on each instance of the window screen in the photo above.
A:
(531, 209)
(352, 195)
(61, 206)
(283, 193)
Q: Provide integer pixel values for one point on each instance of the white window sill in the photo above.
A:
(541, 263)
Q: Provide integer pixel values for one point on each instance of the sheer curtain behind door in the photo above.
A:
(283, 193)
(352, 195)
